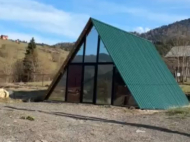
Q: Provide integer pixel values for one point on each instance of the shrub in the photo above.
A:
(30, 118)
(181, 112)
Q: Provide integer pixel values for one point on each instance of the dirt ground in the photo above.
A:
(64, 122)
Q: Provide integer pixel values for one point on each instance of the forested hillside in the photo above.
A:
(165, 37)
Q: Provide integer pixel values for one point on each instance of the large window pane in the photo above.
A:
(104, 84)
(74, 83)
(79, 56)
(58, 93)
(103, 54)
(122, 95)
(91, 46)
(89, 72)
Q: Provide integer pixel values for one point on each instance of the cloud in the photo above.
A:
(142, 30)
(42, 17)
(28, 36)
(45, 18)
(115, 8)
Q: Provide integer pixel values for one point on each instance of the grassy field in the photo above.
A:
(181, 112)
(10, 52)
(185, 88)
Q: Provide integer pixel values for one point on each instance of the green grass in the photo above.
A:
(38, 83)
(185, 88)
(30, 118)
(181, 112)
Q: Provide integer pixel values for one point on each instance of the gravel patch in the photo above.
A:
(64, 122)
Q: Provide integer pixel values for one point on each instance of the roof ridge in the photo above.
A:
(120, 29)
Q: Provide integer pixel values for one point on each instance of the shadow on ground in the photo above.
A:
(81, 117)
(33, 95)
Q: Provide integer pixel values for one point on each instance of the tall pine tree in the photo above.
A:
(30, 62)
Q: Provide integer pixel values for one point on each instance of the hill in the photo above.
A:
(67, 46)
(164, 36)
(11, 52)
(180, 28)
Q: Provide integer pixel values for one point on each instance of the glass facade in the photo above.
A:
(92, 80)
(104, 84)
(58, 93)
(74, 83)
(103, 54)
(89, 72)
(79, 56)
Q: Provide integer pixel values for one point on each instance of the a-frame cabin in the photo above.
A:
(111, 66)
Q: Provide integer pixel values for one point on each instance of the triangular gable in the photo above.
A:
(72, 57)
(69, 58)
(139, 64)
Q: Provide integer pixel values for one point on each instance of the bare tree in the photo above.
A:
(180, 41)
(18, 71)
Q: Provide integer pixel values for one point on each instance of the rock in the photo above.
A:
(3, 93)
(140, 131)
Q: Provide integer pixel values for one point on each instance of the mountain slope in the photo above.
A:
(67, 46)
(167, 36)
(11, 52)
(180, 28)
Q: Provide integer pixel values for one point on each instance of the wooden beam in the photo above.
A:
(69, 58)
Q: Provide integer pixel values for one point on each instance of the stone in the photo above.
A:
(4, 94)
(140, 131)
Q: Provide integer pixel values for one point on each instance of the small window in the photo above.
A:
(103, 54)
(79, 56)
(91, 46)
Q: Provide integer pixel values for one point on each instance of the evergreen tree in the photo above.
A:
(30, 62)
(31, 47)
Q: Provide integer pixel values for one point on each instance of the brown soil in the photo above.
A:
(63, 122)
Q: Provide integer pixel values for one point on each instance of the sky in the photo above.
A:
(53, 21)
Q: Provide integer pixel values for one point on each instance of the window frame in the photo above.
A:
(95, 64)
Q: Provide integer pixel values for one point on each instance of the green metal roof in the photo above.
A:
(141, 67)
